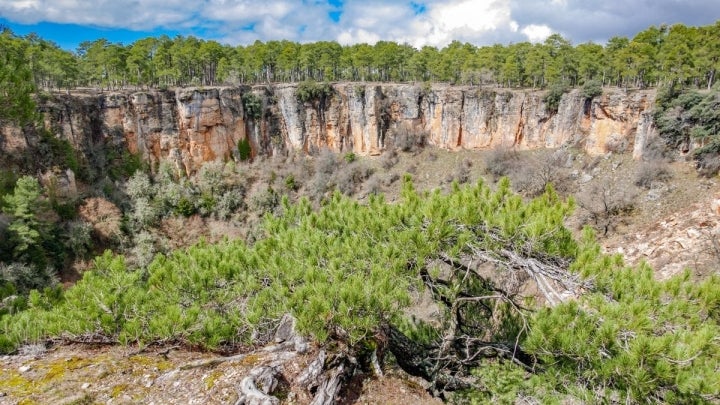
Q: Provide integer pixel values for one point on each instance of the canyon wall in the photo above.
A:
(191, 126)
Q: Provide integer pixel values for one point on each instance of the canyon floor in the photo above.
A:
(671, 221)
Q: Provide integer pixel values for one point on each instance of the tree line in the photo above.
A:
(665, 54)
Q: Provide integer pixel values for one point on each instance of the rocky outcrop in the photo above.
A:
(687, 239)
(191, 126)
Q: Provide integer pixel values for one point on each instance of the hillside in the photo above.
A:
(360, 242)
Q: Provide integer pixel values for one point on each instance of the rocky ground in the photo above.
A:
(672, 222)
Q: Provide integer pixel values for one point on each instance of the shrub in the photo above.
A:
(206, 204)
(7, 181)
(389, 158)
(290, 183)
(143, 250)
(350, 157)
(349, 178)
(540, 170)
(501, 162)
(252, 105)
(244, 150)
(123, 164)
(25, 277)
(326, 162)
(462, 171)
(406, 137)
(139, 186)
(708, 165)
(264, 201)
(143, 214)
(229, 202)
(311, 91)
(650, 172)
(184, 207)
(210, 178)
(553, 96)
(592, 89)
(78, 237)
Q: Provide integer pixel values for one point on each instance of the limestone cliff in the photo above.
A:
(192, 126)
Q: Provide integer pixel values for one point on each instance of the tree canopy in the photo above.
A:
(658, 55)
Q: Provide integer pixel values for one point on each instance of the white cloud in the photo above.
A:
(537, 33)
(441, 22)
(434, 22)
(145, 14)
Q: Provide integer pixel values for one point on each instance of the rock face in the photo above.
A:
(191, 126)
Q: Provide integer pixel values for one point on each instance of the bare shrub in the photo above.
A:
(349, 178)
(605, 203)
(326, 162)
(319, 185)
(656, 149)
(264, 200)
(708, 165)
(501, 162)
(534, 174)
(412, 169)
(391, 179)
(406, 137)
(462, 171)
(373, 185)
(389, 158)
(650, 172)
(105, 217)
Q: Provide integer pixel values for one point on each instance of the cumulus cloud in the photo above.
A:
(433, 22)
(417, 22)
(582, 21)
(145, 14)
(537, 33)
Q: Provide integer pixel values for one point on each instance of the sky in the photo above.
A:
(416, 22)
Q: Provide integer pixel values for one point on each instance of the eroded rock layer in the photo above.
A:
(191, 126)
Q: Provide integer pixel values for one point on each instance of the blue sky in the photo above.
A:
(417, 22)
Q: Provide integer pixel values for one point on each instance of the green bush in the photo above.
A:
(592, 89)
(553, 96)
(311, 91)
(244, 149)
(350, 157)
(252, 105)
(122, 164)
(290, 183)
(228, 293)
(185, 207)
